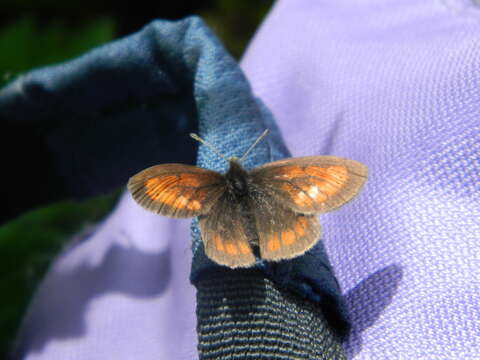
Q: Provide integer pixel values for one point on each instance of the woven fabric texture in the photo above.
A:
(242, 315)
(395, 85)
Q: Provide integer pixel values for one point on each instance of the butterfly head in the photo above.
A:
(233, 159)
(237, 178)
(235, 165)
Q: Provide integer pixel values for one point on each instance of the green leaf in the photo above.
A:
(26, 44)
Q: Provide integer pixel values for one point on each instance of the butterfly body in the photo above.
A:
(272, 207)
(237, 180)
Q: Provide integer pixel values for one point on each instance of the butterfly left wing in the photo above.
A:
(176, 190)
(225, 234)
(311, 184)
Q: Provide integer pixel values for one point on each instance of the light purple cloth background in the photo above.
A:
(393, 84)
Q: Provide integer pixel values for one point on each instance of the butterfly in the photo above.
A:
(269, 210)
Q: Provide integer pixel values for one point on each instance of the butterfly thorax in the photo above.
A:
(237, 179)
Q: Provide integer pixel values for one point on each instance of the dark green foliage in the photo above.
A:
(235, 21)
(26, 44)
(30, 242)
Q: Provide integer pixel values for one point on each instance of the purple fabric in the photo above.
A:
(395, 85)
(120, 291)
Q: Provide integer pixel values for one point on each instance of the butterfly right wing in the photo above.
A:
(224, 234)
(311, 184)
(177, 190)
(282, 233)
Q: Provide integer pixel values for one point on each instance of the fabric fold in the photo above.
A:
(131, 104)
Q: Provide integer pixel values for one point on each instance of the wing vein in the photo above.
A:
(299, 188)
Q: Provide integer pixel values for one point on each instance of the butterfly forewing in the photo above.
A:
(312, 184)
(177, 190)
(224, 234)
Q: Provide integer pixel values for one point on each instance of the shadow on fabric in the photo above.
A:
(367, 301)
(121, 271)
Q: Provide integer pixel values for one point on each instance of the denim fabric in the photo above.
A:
(116, 110)
(395, 85)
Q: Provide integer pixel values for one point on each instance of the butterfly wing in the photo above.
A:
(311, 184)
(176, 190)
(282, 233)
(224, 234)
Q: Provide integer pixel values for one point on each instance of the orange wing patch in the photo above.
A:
(225, 249)
(244, 248)
(218, 243)
(308, 186)
(311, 184)
(230, 248)
(296, 194)
(224, 235)
(176, 190)
(299, 226)
(288, 237)
(273, 243)
(321, 180)
(335, 178)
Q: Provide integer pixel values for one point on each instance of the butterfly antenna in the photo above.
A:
(254, 144)
(210, 146)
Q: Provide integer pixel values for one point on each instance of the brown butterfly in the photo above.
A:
(271, 207)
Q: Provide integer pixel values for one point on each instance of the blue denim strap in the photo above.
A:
(231, 117)
(131, 104)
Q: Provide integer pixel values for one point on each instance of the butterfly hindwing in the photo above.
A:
(224, 234)
(177, 190)
(311, 184)
(282, 233)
